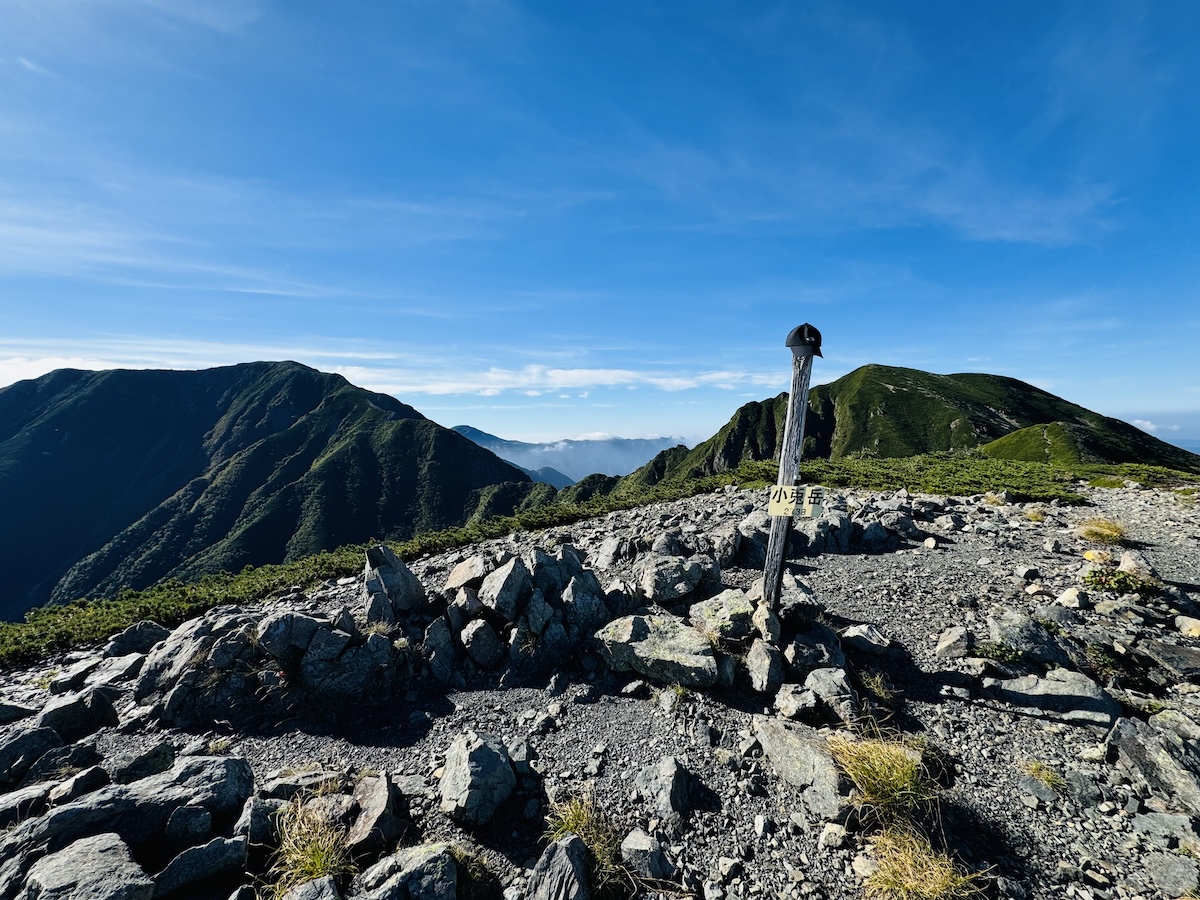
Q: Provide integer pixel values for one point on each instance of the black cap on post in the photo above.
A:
(804, 340)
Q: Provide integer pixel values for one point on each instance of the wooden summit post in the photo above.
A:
(805, 342)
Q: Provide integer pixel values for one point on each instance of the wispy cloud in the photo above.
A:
(431, 371)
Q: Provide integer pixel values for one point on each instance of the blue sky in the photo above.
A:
(550, 219)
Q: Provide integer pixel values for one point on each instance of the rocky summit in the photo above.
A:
(621, 680)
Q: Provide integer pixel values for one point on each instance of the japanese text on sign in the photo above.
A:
(801, 501)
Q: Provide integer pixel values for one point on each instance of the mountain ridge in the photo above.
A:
(574, 458)
(125, 477)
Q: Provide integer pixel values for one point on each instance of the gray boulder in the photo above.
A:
(561, 872)
(666, 787)
(195, 865)
(1160, 763)
(468, 573)
(1064, 695)
(21, 747)
(390, 589)
(505, 590)
(482, 644)
(643, 856)
(317, 889)
(1015, 630)
(665, 579)
(801, 757)
(78, 715)
(584, 609)
(438, 647)
(727, 617)
(74, 677)
(139, 637)
(15, 806)
(798, 605)
(832, 687)
(663, 648)
(427, 871)
(819, 647)
(14, 712)
(378, 822)
(1174, 875)
(138, 812)
(764, 665)
(476, 778)
(92, 868)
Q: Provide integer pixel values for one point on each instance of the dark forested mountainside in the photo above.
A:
(122, 478)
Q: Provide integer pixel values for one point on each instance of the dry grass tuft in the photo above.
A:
(889, 776)
(1102, 531)
(910, 869)
(582, 817)
(1044, 773)
(310, 847)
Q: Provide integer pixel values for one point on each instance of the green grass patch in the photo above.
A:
(1117, 581)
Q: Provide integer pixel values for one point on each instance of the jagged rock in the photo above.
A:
(287, 784)
(611, 550)
(476, 779)
(1182, 662)
(482, 644)
(138, 812)
(662, 648)
(755, 532)
(116, 669)
(728, 617)
(901, 524)
(14, 712)
(257, 822)
(217, 858)
(867, 638)
(547, 573)
(583, 604)
(764, 665)
(74, 677)
(378, 823)
(1172, 874)
(77, 716)
(643, 856)
(18, 805)
(1164, 764)
(463, 608)
(1173, 828)
(726, 541)
(767, 624)
(468, 573)
(92, 868)
(819, 647)
(801, 757)
(389, 586)
(90, 779)
(128, 767)
(51, 764)
(1014, 629)
(427, 871)
(798, 605)
(832, 687)
(317, 889)
(191, 825)
(665, 786)
(21, 748)
(665, 579)
(505, 590)
(438, 648)
(286, 636)
(562, 872)
(793, 702)
(1064, 695)
(955, 643)
(139, 637)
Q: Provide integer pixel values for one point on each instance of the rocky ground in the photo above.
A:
(451, 703)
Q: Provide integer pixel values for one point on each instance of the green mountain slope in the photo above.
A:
(892, 412)
(122, 478)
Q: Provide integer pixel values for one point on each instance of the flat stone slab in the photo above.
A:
(663, 648)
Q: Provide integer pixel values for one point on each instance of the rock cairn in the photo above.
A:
(432, 714)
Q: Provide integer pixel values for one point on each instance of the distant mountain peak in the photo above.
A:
(575, 458)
